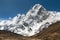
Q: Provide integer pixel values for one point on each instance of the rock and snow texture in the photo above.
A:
(32, 23)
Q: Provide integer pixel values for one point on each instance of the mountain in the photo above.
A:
(35, 20)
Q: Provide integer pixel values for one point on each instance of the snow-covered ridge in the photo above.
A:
(32, 23)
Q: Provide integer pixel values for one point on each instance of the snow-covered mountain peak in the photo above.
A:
(36, 6)
(32, 23)
(36, 9)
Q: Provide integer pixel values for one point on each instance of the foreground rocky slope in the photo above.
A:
(51, 33)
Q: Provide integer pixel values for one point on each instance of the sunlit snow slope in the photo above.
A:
(32, 23)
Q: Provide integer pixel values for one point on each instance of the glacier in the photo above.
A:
(35, 20)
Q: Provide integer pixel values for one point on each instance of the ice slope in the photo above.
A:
(35, 20)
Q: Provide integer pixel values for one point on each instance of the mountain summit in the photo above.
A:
(35, 20)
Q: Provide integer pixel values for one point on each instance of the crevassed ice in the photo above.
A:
(32, 23)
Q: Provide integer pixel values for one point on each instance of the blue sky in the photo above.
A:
(10, 8)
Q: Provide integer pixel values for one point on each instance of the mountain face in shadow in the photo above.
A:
(50, 33)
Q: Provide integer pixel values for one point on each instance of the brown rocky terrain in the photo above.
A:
(51, 33)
